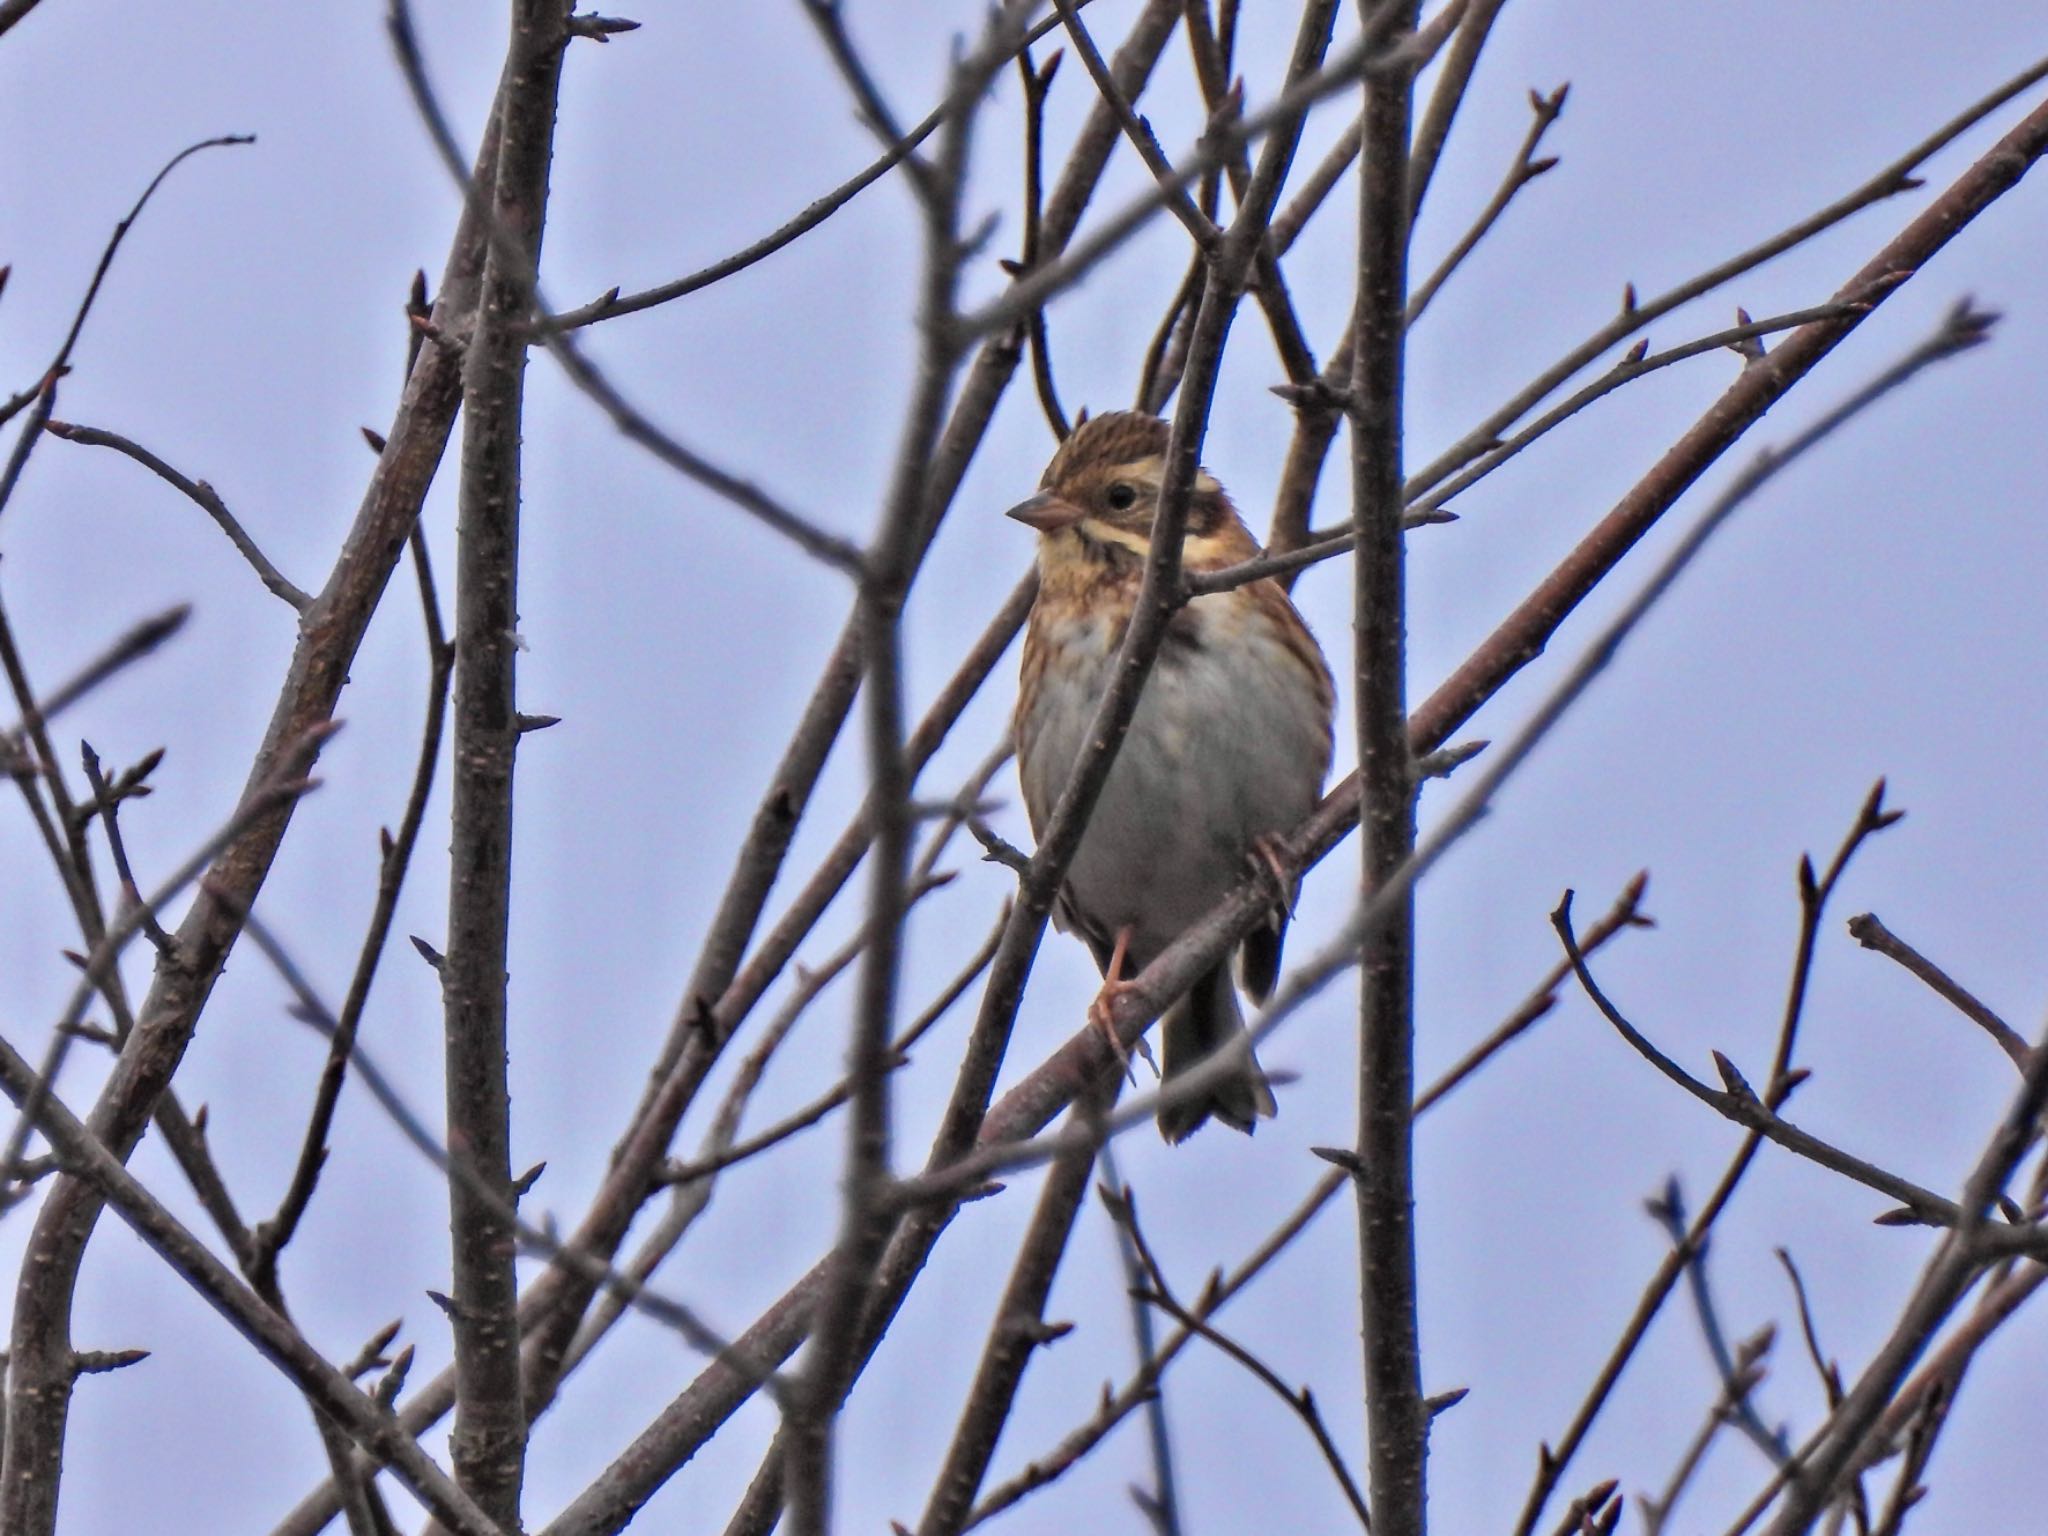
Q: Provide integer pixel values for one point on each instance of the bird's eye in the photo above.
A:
(1121, 496)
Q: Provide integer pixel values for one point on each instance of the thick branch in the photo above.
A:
(329, 633)
(1397, 1424)
(489, 1440)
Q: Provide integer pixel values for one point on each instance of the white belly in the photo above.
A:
(1226, 746)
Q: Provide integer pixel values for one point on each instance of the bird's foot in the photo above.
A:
(1102, 1014)
(1269, 859)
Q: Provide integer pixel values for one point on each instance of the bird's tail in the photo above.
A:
(1199, 1026)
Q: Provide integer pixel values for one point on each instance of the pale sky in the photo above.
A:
(1876, 612)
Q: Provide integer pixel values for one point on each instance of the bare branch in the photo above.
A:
(271, 1236)
(1872, 934)
(1300, 1401)
(1172, 186)
(331, 630)
(137, 643)
(1738, 1367)
(88, 1158)
(1396, 1423)
(198, 491)
(1475, 25)
(1018, 1331)
(609, 305)
(1160, 1503)
(1526, 168)
(260, 806)
(1037, 81)
(61, 363)
(12, 11)
(1815, 894)
(637, 428)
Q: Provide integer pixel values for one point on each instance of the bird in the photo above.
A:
(1226, 752)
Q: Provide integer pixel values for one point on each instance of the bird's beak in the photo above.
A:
(1046, 512)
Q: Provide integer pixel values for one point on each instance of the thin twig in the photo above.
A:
(802, 1119)
(62, 361)
(1044, 1469)
(1172, 186)
(124, 652)
(198, 491)
(829, 17)
(1625, 913)
(86, 1156)
(824, 546)
(1525, 169)
(1167, 353)
(44, 399)
(1291, 220)
(271, 1236)
(1018, 1331)
(612, 304)
(1815, 893)
(1433, 131)
(1868, 931)
(1037, 81)
(290, 786)
(1300, 1401)
(1161, 1503)
(1740, 1104)
(1907, 1489)
(106, 803)
(1829, 1373)
(1734, 1366)
(1744, 1374)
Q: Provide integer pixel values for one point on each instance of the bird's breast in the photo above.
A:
(1229, 742)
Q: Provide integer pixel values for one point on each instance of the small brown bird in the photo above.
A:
(1227, 750)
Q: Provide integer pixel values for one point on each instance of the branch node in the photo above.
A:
(97, 1362)
(1733, 1080)
(1445, 761)
(526, 1181)
(388, 1387)
(1038, 1332)
(1342, 1157)
(600, 29)
(1444, 1401)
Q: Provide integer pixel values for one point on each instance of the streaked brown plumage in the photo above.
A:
(1227, 750)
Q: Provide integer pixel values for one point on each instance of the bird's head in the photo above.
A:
(1098, 496)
